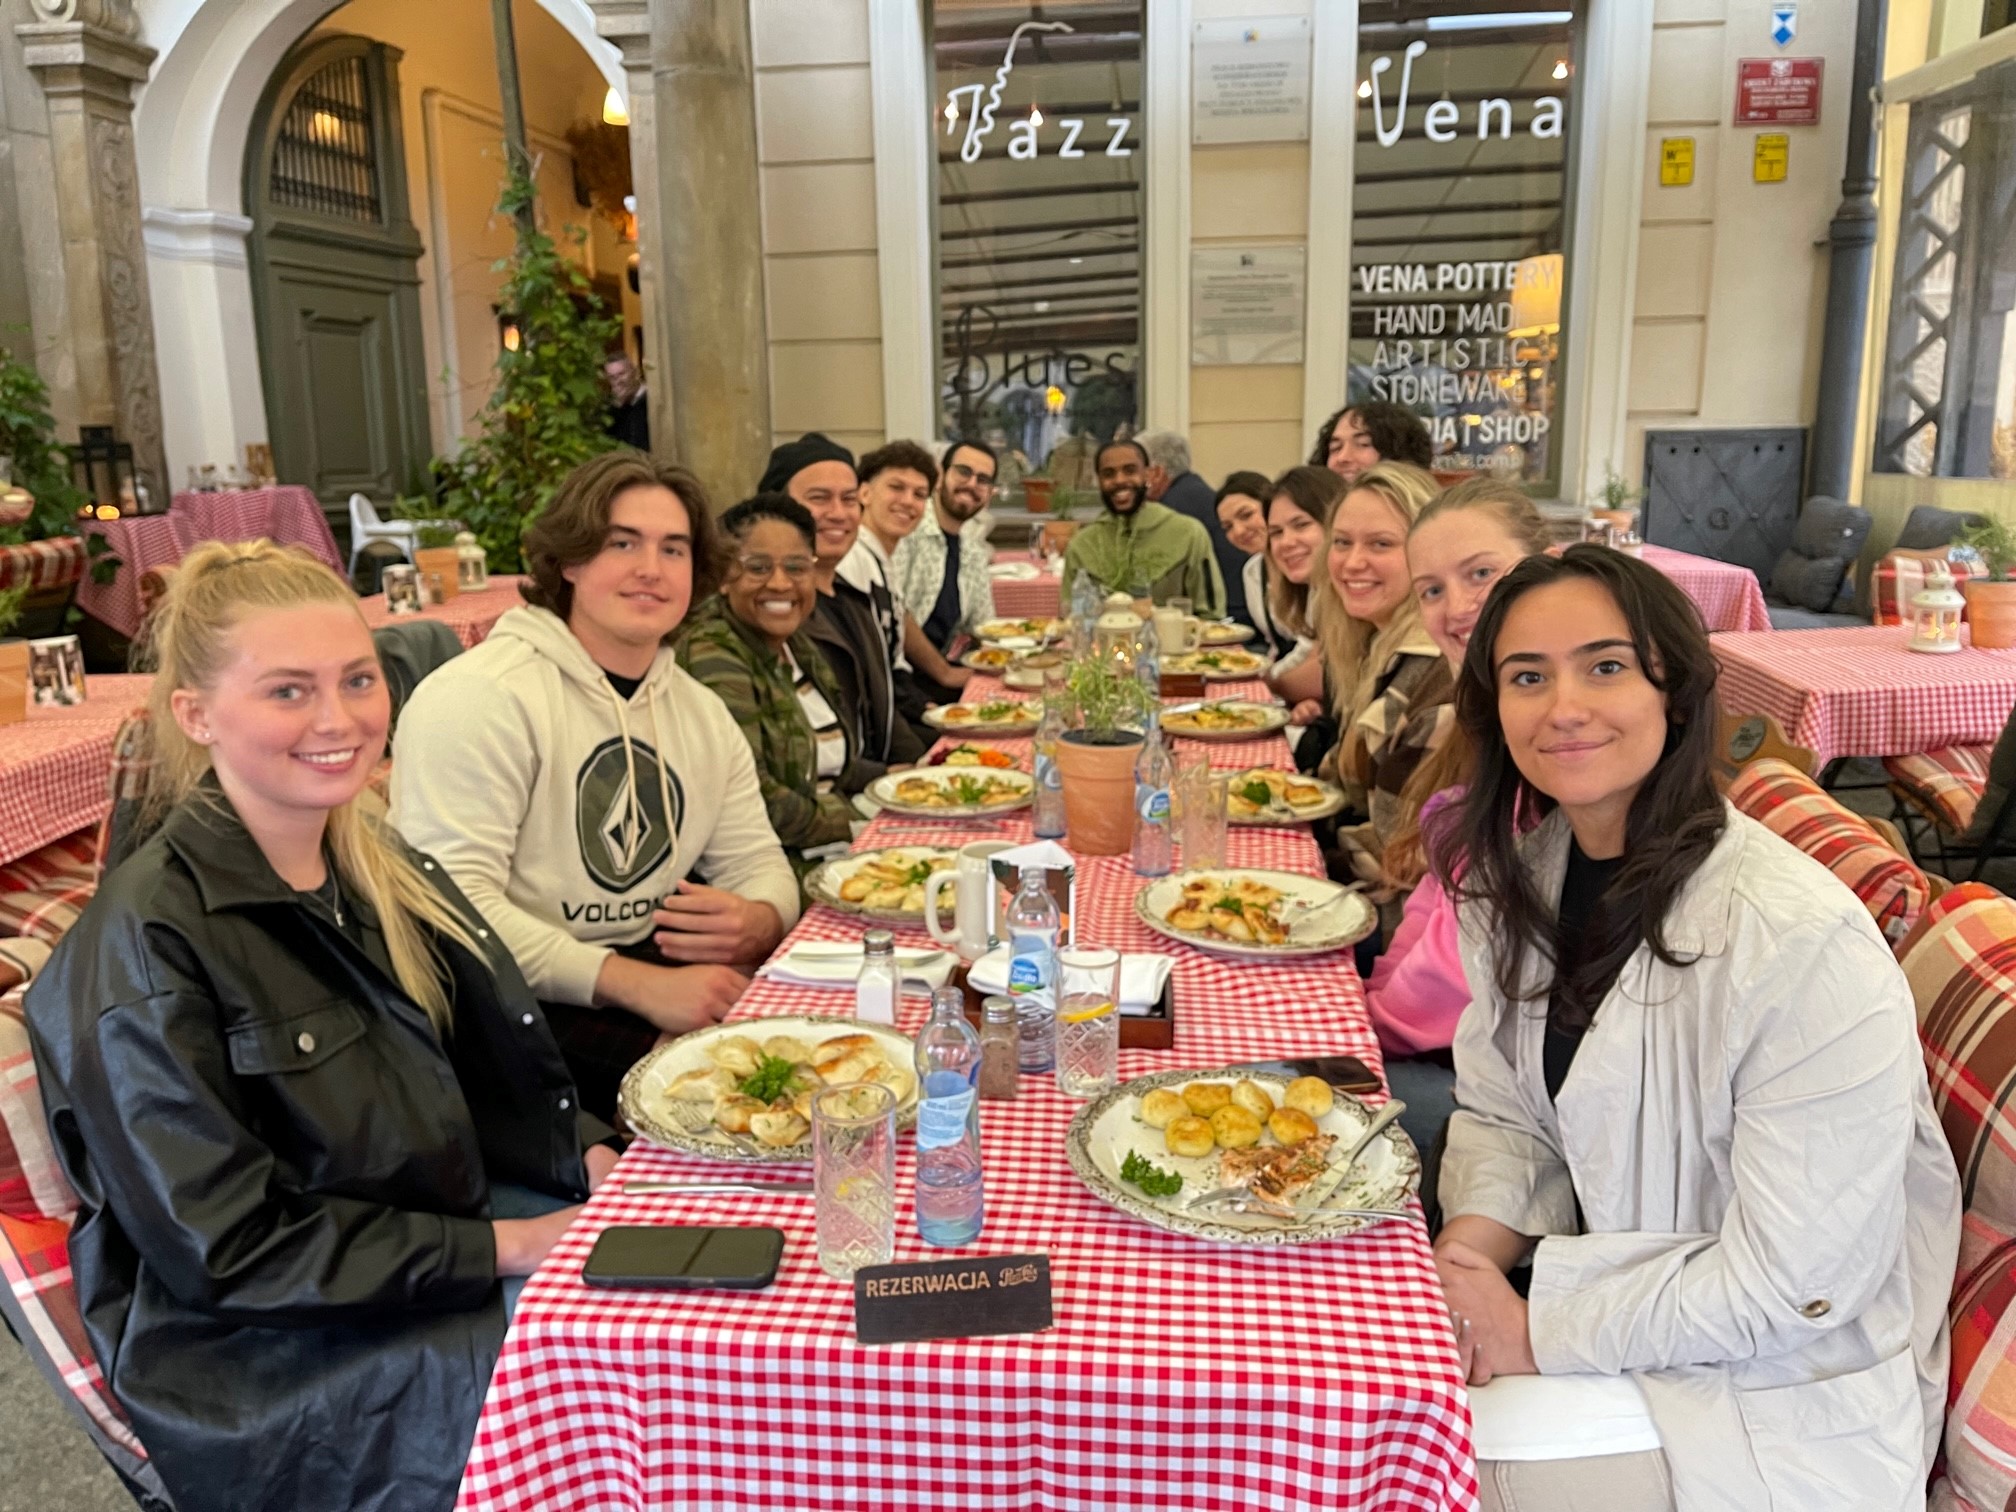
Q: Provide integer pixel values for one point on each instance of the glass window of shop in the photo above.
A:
(1949, 370)
(1460, 225)
(1038, 229)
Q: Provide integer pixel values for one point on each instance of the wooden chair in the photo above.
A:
(1743, 738)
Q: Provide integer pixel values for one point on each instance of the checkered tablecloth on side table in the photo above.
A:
(1729, 597)
(55, 766)
(1180, 1373)
(1026, 598)
(1859, 692)
(289, 514)
(469, 615)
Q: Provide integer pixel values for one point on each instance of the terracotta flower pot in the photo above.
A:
(1036, 494)
(1055, 537)
(446, 560)
(13, 681)
(1991, 610)
(1098, 792)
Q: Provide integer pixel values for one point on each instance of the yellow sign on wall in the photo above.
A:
(1676, 162)
(1772, 154)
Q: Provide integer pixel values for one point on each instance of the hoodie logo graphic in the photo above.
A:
(621, 824)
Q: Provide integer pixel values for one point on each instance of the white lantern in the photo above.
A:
(472, 563)
(1935, 612)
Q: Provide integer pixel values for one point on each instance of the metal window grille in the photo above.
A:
(1921, 310)
(325, 158)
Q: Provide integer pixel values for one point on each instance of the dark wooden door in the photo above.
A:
(335, 275)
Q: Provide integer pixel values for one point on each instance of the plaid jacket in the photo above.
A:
(1410, 713)
(755, 683)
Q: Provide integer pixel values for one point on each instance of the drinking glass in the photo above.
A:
(1201, 798)
(854, 1176)
(1088, 1020)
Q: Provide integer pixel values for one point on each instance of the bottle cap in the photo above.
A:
(998, 1010)
(878, 942)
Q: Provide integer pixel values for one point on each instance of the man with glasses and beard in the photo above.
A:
(1141, 546)
(941, 570)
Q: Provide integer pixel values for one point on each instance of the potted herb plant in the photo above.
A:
(1095, 759)
(13, 658)
(439, 553)
(1055, 537)
(1991, 600)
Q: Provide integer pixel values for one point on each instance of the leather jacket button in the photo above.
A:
(528, 1021)
(305, 1042)
(1819, 1307)
(565, 1105)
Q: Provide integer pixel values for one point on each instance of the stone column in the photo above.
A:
(87, 56)
(627, 23)
(710, 239)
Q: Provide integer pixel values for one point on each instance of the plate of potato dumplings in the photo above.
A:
(1279, 1139)
(743, 1090)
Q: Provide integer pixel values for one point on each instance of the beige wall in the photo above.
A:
(816, 156)
(449, 107)
(1732, 274)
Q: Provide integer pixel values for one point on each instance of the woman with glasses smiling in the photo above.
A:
(748, 644)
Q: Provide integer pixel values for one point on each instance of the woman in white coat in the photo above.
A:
(1691, 1094)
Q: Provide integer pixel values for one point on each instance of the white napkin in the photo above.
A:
(1560, 1417)
(1015, 572)
(1142, 978)
(823, 963)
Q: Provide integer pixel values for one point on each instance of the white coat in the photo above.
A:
(1769, 1216)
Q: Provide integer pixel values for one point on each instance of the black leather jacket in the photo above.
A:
(282, 1254)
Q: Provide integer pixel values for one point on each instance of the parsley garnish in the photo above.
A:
(1152, 1180)
(1257, 793)
(772, 1078)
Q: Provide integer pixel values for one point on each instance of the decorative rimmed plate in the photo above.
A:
(1230, 633)
(828, 881)
(1255, 719)
(644, 1103)
(1107, 1128)
(1005, 717)
(1242, 791)
(900, 792)
(1019, 629)
(1320, 915)
(970, 755)
(995, 659)
(1216, 666)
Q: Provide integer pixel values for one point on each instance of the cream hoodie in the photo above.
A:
(543, 792)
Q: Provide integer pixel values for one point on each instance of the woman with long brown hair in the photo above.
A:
(1693, 1113)
(311, 1110)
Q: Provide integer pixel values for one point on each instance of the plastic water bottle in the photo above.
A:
(1033, 926)
(876, 988)
(1148, 661)
(1048, 802)
(1154, 775)
(951, 1199)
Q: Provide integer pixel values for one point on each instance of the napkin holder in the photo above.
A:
(1153, 1030)
(1182, 684)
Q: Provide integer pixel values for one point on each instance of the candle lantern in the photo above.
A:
(472, 563)
(1935, 612)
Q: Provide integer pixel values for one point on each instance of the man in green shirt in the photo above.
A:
(1141, 543)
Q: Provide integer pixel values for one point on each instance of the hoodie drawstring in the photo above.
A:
(630, 767)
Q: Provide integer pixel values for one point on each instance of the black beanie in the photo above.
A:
(793, 457)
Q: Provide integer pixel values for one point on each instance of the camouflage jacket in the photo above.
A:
(755, 683)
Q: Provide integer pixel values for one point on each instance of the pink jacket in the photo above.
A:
(1417, 990)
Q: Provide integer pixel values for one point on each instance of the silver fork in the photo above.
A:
(689, 1117)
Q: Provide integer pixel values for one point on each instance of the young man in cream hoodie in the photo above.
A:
(571, 777)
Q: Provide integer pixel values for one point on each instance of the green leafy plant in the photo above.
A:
(548, 410)
(28, 435)
(1107, 697)
(1065, 503)
(1617, 493)
(11, 600)
(1994, 541)
(432, 537)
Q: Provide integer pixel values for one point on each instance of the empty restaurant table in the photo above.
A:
(469, 614)
(1728, 596)
(1859, 692)
(1024, 588)
(55, 766)
(1179, 1371)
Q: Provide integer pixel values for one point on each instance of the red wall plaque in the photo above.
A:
(1778, 91)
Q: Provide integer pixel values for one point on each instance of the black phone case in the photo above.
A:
(606, 1278)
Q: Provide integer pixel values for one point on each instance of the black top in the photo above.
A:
(630, 423)
(626, 687)
(944, 616)
(1582, 890)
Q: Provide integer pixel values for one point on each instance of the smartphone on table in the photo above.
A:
(683, 1257)
(1347, 1073)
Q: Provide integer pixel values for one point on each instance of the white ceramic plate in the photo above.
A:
(827, 879)
(644, 1104)
(1228, 634)
(1014, 572)
(1106, 1129)
(1034, 630)
(1216, 666)
(1267, 718)
(883, 791)
(1344, 917)
(991, 658)
(1277, 810)
(1021, 722)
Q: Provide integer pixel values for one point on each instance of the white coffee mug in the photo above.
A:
(975, 903)
(1177, 631)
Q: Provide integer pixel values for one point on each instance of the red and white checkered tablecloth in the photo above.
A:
(469, 615)
(1179, 1373)
(1728, 596)
(1026, 598)
(1858, 692)
(288, 515)
(56, 765)
(53, 563)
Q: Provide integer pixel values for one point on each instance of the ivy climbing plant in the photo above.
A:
(549, 409)
(28, 435)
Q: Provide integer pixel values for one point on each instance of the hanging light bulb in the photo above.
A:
(613, 112)
(1560, 68)
(1364, 89)
(1053, 399)
(1035, 116)
(951, 113)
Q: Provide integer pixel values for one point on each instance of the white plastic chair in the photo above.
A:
(366, 527)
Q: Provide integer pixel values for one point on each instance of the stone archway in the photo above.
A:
(191, 127)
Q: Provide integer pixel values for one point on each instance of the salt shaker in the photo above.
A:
(1000, 1055)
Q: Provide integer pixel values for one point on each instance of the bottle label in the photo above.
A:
(1047, 775)
(1153, 803)
(942, 1121)
(1026, 974)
